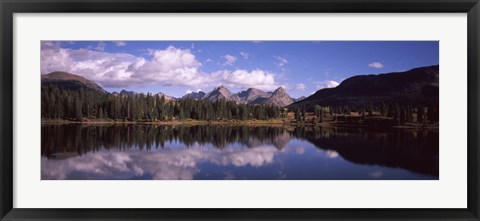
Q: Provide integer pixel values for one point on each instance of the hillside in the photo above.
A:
(416, 86)
(67, 81)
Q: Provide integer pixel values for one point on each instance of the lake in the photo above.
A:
(221, 152)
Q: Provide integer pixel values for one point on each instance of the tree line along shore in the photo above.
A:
(83, 106)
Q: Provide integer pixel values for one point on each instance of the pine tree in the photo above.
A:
(100, 113)
(298, 118)
(420, 114)
(78, 109)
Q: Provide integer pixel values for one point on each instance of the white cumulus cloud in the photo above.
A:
(300, 86)
(230, 59)
(327, 84)
(242, 79)
(245, 55)
(331, 154)
(120, 43)
(101, 46)
(170, 66)
(171, 164)
(375, 65)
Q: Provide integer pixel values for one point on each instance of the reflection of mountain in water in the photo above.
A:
(412, 150)
(415, 151)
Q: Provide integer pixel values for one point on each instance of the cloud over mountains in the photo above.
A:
(168, 66)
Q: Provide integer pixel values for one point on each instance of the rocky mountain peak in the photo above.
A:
(280, 91)
(223, 90)
(279, 98)
(221, 93)
(195, 95)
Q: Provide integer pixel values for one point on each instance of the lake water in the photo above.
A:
(145, 152)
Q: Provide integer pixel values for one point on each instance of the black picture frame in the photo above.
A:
(9, 7)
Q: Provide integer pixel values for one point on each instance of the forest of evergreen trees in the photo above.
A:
(80, 104)
(398, 114)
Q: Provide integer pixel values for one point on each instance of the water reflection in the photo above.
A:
(235, 152)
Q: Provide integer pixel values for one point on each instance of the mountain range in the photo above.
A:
(251, 96)
(415, 86)
(279, 97)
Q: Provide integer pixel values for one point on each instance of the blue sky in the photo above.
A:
(178, 67)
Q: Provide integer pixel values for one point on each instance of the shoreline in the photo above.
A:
(184, 122)
(276, 122)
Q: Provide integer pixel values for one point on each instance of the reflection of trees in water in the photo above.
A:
(70, 138)
(408, 149)
(412, 150)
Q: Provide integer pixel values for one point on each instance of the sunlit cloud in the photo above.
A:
(100, 46)
(300, 86)
(170, 66)
(230, 59)
(327, 84)
(300, 150)
(331, 154)
(171, 164)
(243, 79)
(191, 91)
(245, 55)
(375, 65)
(120, 43)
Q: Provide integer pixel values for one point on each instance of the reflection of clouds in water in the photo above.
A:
(376, 174)
(331, 154)
(300, 150)
(229, 176)
(168, 164)
(96, 164)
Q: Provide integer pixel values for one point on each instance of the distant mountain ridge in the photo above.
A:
(415, 86)
(279, 97)
(250, 96)
(194, 95)
(221, 93)
(253, 95)
(125, 93)
(167, 97)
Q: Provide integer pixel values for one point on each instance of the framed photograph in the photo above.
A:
(190, 110)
